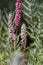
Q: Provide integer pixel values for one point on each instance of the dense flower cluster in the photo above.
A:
(10, 28)
(17, 16)
(23, 35)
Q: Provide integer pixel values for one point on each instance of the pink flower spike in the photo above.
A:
(10, 28)
(23, 35)
(17, 16)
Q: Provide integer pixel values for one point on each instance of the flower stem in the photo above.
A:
(12, 46)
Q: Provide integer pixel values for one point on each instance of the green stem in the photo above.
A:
(12, 46)
(16, 31)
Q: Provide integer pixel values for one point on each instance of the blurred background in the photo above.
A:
(32, 16)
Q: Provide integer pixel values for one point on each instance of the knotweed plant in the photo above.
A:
(18, 56)
(32, 15)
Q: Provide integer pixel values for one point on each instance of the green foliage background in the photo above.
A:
(32, 16)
